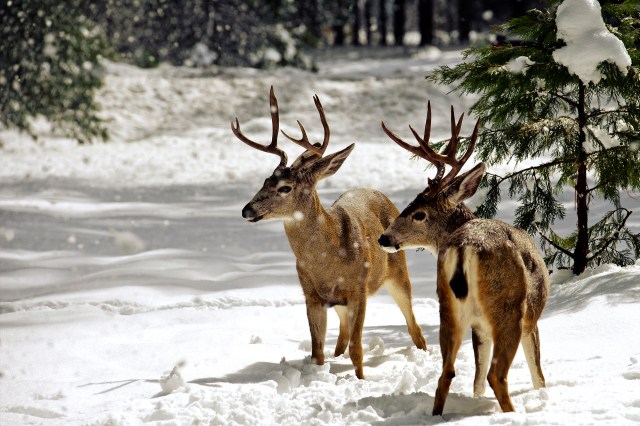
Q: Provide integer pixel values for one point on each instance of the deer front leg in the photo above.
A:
(343, 337)
(401, 292)
(356, 310)
(317, 317)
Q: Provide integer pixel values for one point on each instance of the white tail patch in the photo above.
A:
(450, 263)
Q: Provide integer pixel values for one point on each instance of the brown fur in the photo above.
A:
(506, 277)
(338, 260)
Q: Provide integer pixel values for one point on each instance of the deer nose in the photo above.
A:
(248, 212)
(384, 241)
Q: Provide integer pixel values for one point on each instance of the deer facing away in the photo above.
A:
(490, 275)
(338, 260)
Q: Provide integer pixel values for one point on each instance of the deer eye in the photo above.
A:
(285, 189)
(419, 216)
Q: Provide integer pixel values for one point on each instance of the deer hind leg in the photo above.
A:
(505, 344)
(317, 316)
(343, 337)
(401, 293)
(482, 354)
(531, 347)
(450, 339)
(355, 311)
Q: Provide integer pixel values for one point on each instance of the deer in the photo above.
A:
(490, 275)
(338, 261)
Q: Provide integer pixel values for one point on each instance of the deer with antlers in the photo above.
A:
(490, 275)
(338, 261)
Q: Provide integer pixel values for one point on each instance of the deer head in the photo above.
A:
(291, 189)
(438, 210)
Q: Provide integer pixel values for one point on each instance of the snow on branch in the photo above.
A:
(588, 41)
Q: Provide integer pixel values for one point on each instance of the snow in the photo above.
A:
(519, 65)
(133, 292)
(588, 41)
(597, 139)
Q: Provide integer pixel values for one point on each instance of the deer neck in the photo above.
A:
(458, 217)
(310, 222)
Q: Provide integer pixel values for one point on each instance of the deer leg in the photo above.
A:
(505, 344)
(482, 353)
(450, 338)
(401, 293)
(356, 310)
(317, 316)
(531, 347)
(343, 338)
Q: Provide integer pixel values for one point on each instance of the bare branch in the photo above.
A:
(566, 99)
(519, 172)
(614, 237)
(562, 249)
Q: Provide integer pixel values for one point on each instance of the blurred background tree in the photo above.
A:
(50, 50)
(50, 54)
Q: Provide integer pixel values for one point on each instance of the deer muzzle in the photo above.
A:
(387, 244)
(250, 214)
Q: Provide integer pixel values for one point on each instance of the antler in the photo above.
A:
(304, 140)
(272, 148)
(423, 150)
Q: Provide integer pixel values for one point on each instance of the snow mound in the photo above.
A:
(588, 41)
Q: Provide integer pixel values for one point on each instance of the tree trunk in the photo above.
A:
(582, 190)
(367, 20)
(425, 21)
(355, 31)
(338, 31)
(399, 18)
(309, 13)
(382, 24)
(465, 15)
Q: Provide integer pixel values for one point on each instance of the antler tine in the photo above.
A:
(434, 157)
(423, 150)
(272, 148)
(325, 125)
(275, 118)
(472, 143)
(448, 157)
(452, 146)
(455, 164)
(424, 141)
(427, 124)
(415, 150)
(304, 140)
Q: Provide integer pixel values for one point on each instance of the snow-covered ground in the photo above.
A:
(121, 263)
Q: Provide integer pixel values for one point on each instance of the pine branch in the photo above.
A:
(605, 112)
(566, 99)
(590, 190)
(550, 164)
(519, 172)
(614, 236)
(562, 249)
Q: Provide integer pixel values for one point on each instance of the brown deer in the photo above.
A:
(490, 275)
(338, 260)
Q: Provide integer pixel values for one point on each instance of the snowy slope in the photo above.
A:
(121, 261)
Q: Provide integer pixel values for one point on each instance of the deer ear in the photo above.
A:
(327, 166)
(465, 185)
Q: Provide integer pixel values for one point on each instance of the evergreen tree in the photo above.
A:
(49, 54)
(532, 106)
